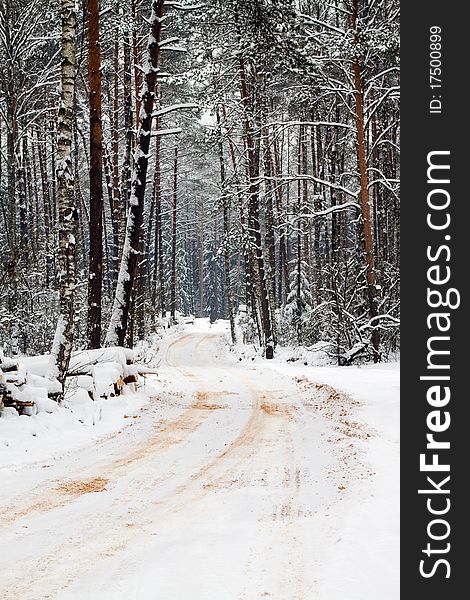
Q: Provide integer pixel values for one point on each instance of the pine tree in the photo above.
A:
(95, 282)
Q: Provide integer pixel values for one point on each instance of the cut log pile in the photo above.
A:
(105, 372)
(102, 373)
(12, 380)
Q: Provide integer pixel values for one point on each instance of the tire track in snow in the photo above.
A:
(170, 435)
(91, 542)
(144, 500)
(176, 431)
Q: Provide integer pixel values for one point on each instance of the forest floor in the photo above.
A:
(236, 480)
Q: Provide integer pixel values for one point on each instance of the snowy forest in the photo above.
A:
(232, 159)
(199, 299)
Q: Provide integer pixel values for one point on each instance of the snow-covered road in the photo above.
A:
(235, 483)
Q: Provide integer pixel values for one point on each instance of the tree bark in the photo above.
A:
(283, 259)
(132, 246)
(254, 226)
(11, 126)
(126, 174)
(159, 270)
(364, 184)
(63, 340)
(173, 280)
(248, 261)
(270, 240)
(115, 150)
(200, 254)
(96, 177)
(225, 205)
(137, 56)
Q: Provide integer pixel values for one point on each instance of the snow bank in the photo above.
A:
(96, 401)
(58, 429)
(367, 552)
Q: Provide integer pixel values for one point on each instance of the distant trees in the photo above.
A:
(29, 73)
(319, 151)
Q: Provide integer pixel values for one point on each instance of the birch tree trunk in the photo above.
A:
(115, 150)
(126, 174)
(137, 59)
(63, 340)
(133, 241)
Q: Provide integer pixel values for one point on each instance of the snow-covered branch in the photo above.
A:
(162, 132)
(164, 111)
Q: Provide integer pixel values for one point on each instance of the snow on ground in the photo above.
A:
(25, 439)
(367, 554)
(228, 479)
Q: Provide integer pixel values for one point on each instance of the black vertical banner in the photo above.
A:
(435, 415)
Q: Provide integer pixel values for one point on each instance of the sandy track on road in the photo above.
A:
(101, 516)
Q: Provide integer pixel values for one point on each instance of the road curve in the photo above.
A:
(216, 498)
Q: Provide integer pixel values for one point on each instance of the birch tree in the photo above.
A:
(63, 340)
(116, 333)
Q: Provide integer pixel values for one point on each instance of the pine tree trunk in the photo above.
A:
(46, 203)
(173, 281)
(96, 177)
(31, 201)
(364, 184)
(63, 340)
(11, 100)
(300, 226)
(305, 208)
(270, 241)
(317, 206)
(133, 242)
(83, 216)
(12, 129)
(200, 255)
(37, 210)
(159, 236)
(53, 126)
(252, 143)
(23, 254)
(283, 259)
(11, 167)
(248, 262)
(225, 203)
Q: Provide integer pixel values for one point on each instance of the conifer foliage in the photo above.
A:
(237, 159)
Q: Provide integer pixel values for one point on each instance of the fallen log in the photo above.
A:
(8, 365)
